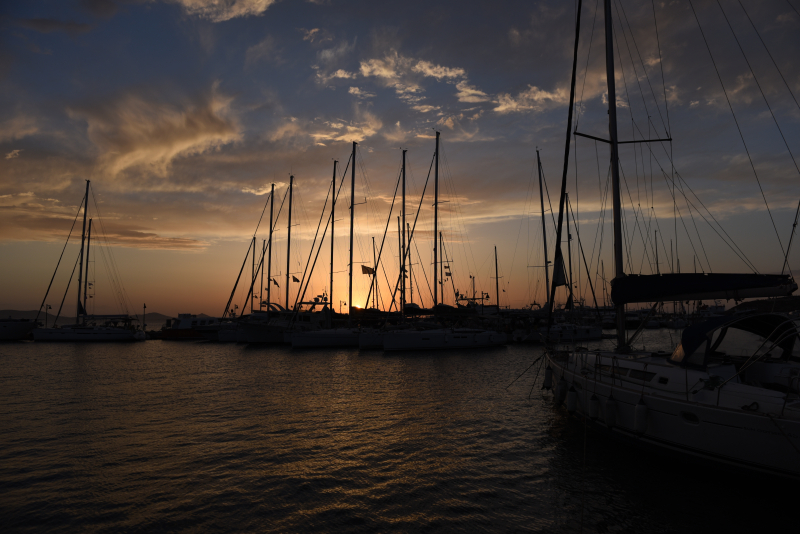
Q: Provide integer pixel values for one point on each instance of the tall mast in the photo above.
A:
(410, 264)
(374, 273)
(352, 212)
(83, 239)
(261, 289)
(86, 280)
(269, 260)
(441, 267)
(253, 274)
(544, 229)
(333, 221)
(289, 242)
(400, 240)
(436, 224)
(569, 252)
(403, 245)
(619, 270)
(496, 279)
(558, 260)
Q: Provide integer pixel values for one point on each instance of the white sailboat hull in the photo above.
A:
(442, 339)
(738, 424)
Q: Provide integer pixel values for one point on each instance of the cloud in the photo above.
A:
(436, 71)
(532, 99)
(17, 128)
(266, 50)
(222, 10)
(139, 131)
(360, 93)
(42, 25)
(468, 93)
(328, 61)
(425, 108)
(13, 154)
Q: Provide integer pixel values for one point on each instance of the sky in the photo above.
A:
(182, 113)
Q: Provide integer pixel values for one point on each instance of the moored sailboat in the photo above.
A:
(736, 406)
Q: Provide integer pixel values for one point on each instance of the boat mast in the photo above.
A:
(441, 266)
(374, 273)
(352, 212)
(544, 231)
(86, 280)
(83, 239)
(261, 289)
(569, 252)
(269, 261)
(289, 241)
(558, 261)
(619, 270)
(403, 245)
(333, 221)
(410, 265)
(436, 224)
(496, 279)
(253, 274)
(400, 240)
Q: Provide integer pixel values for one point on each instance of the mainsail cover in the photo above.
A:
(699, 286)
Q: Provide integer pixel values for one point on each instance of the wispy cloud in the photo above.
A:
(18, 127)
(531, 99)
(222, 10)
(136, 130)
(13, 154)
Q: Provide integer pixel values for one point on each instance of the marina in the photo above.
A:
(448, 269)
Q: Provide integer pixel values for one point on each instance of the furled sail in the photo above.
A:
(699, 286)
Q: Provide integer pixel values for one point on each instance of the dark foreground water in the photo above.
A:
(161, 436)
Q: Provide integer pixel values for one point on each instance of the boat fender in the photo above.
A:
(561, 392)
(548, 378)
(572, 400)
(594, 407)
(611, 412)
(640, 417)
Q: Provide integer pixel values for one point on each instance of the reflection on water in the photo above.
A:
(198, 436)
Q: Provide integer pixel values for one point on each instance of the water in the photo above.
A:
(222, 437)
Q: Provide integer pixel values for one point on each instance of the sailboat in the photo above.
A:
(732, 407)
(90, 327)
(347, 336)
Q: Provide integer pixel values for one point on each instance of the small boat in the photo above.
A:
(90, 327)
(184, 327)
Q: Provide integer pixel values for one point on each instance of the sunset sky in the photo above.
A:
(183, 112)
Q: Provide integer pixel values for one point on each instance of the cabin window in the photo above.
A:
(641, 375)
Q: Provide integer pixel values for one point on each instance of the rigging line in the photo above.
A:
(638, 53)
(249, 246)
(262, 213)
(760, 89)
(795, 9)
(661, 64)
(414, 227)
(580, 245)
(741, 135)
(423, 271)
(697, 231)
(66, 291)
(114, 273)
(59, 261)
(670, 179)
(770, 53)
(586, 68)
(522, 220)
(298, 298)
(385, 230)
(459, 211)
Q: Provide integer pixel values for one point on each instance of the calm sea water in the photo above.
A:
(220, 437)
